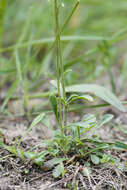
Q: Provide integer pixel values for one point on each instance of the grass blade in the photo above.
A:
(9, 95)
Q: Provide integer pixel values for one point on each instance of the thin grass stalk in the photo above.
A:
(112, 40)
(65, 23)
(69, 16)
(58, 64)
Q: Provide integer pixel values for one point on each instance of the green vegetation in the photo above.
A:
(69, 44)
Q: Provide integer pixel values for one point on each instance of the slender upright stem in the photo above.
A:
(60, 75)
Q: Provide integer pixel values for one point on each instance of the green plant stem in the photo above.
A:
(78, 129)
(65, 24)
(59, 65)
(69, 16)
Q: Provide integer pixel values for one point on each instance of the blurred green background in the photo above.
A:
(93, 44)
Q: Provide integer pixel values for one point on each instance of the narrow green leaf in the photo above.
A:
(69, 16)
(10, 93)
(18, 66)
(36, 121)
(120, 145)
(99, 91)
(53, 102)
(106, 118)
(75, 97)
(67, 72)
(46, 121)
